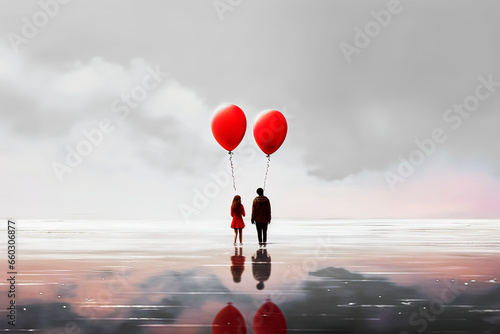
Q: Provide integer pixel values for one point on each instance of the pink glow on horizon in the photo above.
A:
(434, 192)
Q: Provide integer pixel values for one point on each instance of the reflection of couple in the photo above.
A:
(261, 266)
(261, 216)
(237, 264)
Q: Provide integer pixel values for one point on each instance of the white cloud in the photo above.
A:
(138, 166)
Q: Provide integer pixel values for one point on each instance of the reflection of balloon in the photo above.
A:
(270, 130)
(229, 125)
(269, 320)
(229, 321)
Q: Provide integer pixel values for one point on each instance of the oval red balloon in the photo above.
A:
(229, 321)
(270, 131)
(269, 320)
(229, 125)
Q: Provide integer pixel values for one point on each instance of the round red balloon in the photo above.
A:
(270, 130)
(229, 321)
(269, 320)
(228, 126)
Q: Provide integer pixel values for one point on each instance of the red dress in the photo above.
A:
(238, 215)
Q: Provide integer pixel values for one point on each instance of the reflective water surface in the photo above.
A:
(331, 276)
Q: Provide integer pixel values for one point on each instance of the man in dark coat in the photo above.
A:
(261, 215)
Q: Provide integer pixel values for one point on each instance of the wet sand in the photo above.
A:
(331, 276)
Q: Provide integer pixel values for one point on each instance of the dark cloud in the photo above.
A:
(353, 116)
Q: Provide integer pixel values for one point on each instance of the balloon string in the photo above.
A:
(267, 170)
(232, 168)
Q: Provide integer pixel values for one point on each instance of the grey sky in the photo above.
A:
(348, 121)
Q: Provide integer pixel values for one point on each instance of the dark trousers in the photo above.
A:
(261, 231)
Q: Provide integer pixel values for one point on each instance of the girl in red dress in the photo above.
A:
(237, 212)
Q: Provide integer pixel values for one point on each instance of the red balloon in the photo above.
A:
(269, 320)
(270, 130)
(229, 125)
(229, 321)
